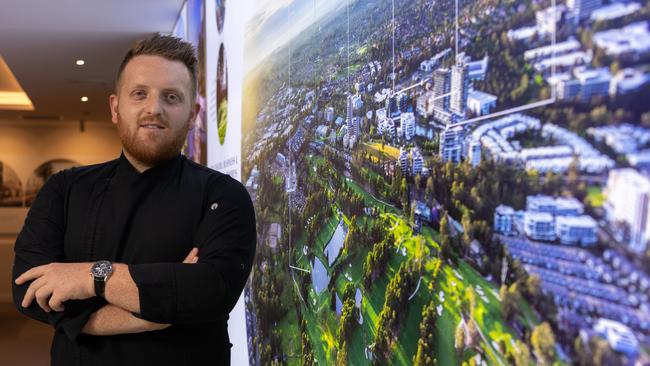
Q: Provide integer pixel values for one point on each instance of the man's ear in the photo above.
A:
(113, 103)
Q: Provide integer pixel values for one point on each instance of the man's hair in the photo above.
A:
(171, 48)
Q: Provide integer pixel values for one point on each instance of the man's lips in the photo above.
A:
(152, 126)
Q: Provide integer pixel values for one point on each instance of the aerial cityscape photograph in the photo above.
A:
(448, 182)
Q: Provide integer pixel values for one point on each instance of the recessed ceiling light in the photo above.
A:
(80, 62)
(84, 99)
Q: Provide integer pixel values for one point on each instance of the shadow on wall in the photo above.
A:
(11, 188)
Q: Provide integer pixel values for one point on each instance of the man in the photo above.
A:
(138, 261)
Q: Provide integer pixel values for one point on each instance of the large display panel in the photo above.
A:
(448, 182)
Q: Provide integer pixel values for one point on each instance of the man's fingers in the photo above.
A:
(30, 275)
(31, 290)
(190, 256)
(42, 297)
(56, 302)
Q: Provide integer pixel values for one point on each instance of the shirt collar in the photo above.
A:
(165, 168)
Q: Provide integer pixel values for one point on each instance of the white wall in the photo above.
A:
(24, 145)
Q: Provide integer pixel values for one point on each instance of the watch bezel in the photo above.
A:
(101, 270)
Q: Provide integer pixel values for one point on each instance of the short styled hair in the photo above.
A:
(169, 47)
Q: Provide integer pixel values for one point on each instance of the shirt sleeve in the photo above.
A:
(41, 242)
(206, 291)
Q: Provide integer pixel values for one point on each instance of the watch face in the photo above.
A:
(102, 269)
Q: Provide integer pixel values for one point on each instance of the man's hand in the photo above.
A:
(112, 319)
(192, 256)
(55, 283)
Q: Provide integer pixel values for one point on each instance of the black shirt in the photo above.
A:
(150, 221)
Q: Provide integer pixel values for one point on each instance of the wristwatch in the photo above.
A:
(101, 271)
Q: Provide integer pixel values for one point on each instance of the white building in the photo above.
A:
(614, 10)
(640, 160)
(574, 230)
(322, 131)
(403, 161)
(452, 145)
(476, 70)
(424, 104)
(541, 203)
(547, 19)
(539, 226)
(568, 206)
(593, 82)
(623, 139)
(459, 87)
(474, 155)
(620, 337)
(441, 89)
(633, 39)
(329, 114)
(418, 161)
(481, 103)
(357, 102)
(546, 152)
(582, 9)
(521, 34)
(503, 218)
(427, 65)
(564, 61)
(386, 127)
(407, 123)
(560, 206)
(628, 80)
(570, 45)
(628, 200)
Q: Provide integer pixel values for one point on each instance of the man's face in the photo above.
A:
(153, 108)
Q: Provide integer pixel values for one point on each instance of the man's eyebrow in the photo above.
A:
(175, 90)
(139, 86)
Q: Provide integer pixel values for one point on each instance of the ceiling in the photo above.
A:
(40, 40)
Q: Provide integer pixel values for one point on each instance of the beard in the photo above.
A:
(151, 150)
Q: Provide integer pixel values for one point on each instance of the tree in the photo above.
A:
(533, 288)
(509, 299)
(472, 333)
(404, 194)
(444, 231)
(459, 338)
(467, 232)
(596, 353)
(543, 342)
(307, 352)
(426, 343)
(429, 190)
(521, 354)
(342, 355)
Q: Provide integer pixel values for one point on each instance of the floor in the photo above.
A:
(23, 342)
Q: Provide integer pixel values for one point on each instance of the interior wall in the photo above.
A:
(24, 145)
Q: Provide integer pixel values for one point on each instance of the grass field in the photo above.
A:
(388, 151)
(445, 290)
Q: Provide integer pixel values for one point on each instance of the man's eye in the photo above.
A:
(173, 98)
(138, 94)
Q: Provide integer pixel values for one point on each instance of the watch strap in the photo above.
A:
(100, 285)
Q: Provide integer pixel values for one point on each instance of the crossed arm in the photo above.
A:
(54, 283)
(159, 293)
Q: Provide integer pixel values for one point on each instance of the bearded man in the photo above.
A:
(139, 260)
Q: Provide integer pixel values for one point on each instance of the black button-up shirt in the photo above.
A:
(150, 221)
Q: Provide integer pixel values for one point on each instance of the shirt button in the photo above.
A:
(214, 206)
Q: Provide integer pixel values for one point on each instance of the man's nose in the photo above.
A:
(153, 106)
